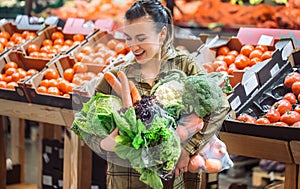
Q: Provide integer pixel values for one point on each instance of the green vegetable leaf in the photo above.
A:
(151, 178)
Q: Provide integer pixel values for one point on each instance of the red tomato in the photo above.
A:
(282, 106)
(51, 73)
(57, 35)
(78, 37)
(291, 78)
(263, 121)
(296, 88)
(296, 124)
(241, 61)
(68, 74)
(290, 117)
(279, 123)
(297, 109)
(255, 53)
(261, 47)
(291, 97)
(224, 50)
(53, 91)
(246, 118)
(246, 50)
(80, 67)
(273, 115)
(266, 55)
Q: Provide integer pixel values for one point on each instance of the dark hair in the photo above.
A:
(160, 14)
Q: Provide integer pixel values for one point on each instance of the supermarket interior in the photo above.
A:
(53, 53)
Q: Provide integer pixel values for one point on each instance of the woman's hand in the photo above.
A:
(183, 162)
(109, 142)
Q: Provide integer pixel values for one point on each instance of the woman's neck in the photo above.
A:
(150, 71)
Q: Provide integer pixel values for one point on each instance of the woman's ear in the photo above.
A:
(163, 34)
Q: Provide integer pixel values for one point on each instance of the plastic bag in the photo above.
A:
(212, 158)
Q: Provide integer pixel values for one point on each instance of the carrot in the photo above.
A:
(135, 94)
(113, 82)
(126, 97)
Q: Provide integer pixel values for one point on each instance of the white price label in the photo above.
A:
(235, 103)
(265, 40)
(47, 180)
(274, 70)
(250, 84)
(287, 51)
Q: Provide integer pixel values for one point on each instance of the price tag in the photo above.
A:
(265, 40)
(47, 180)
(287, 51)
(274, 70)
(250, 84)
(94, 187)
(235, 103)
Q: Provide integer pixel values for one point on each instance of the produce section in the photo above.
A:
(52, 71)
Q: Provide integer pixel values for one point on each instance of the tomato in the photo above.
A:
(255, 54)
(291, 97)
(290, 117)
(47, 42)
(1, 48)
(279, 123)
(51, 73)
(282, 106)
(273, 115)
(224, 50)
(12, 85)
(5, 34)
(296, 124)
(68, 42)
(31, 72)
(246, 118)
(10, 71)
(246, 50)
(41, 89)
(241, 61)
(68, 74)
(233, 52)
(263, 121)
(231, 69)
(3, 41)
(111, 44)
(32, 48)
(10, 44)
(220, 57)
(262, 48)
(291, 78)
(266, 55)
(59, 42)
(53, 91)
(11, 65)
(229, 59)
(45, 83)
(62, 85)
(15, 77)
(69, 87)
(3, 84)
(52, 83)
(254, 61)
(78, 37)
(80, 67)
(296, 88)
(87, 50)
(297, 108)
(57, 35)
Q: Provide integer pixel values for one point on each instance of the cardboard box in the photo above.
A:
(258, 104)
(19, 94)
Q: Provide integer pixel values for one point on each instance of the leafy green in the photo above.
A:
(96, 116)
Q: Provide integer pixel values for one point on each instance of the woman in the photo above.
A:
(149, 34)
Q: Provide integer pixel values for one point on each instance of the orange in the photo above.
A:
(12, 85)
(5, 34)
(80, 67)
(41, 89)
(266, 55)
(53, 91)
(11, 65)
(68, 74)
(262, 48)
(78, 37)
(3, 84)
(47, 42)
(57, 35)
(229, 59)
(45, 83)
(246, 49)
(32, 48)
(256, 53)
(51, 73)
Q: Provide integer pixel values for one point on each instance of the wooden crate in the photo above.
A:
(259, 176)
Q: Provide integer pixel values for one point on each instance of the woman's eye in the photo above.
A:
(128, 38)
(141, 39)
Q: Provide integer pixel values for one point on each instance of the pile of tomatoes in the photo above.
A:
(8, 40)
(51, 47)
(12, 74)
(102, 53)
(53, 84)
(284, 112)
(228, 60)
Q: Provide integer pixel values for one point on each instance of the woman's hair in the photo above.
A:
(160, 14)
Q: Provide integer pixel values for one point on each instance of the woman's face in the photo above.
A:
(143, 40)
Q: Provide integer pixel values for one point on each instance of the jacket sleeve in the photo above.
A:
(212, 125)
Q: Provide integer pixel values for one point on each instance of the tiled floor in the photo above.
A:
(31, 175)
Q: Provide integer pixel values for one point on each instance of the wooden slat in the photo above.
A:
(17, 143)
(72, 158)
(85, 167)
(2, 154)
(68, 116)
(290, 176)
(257, 147)
(295, 148)
(35, 112)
